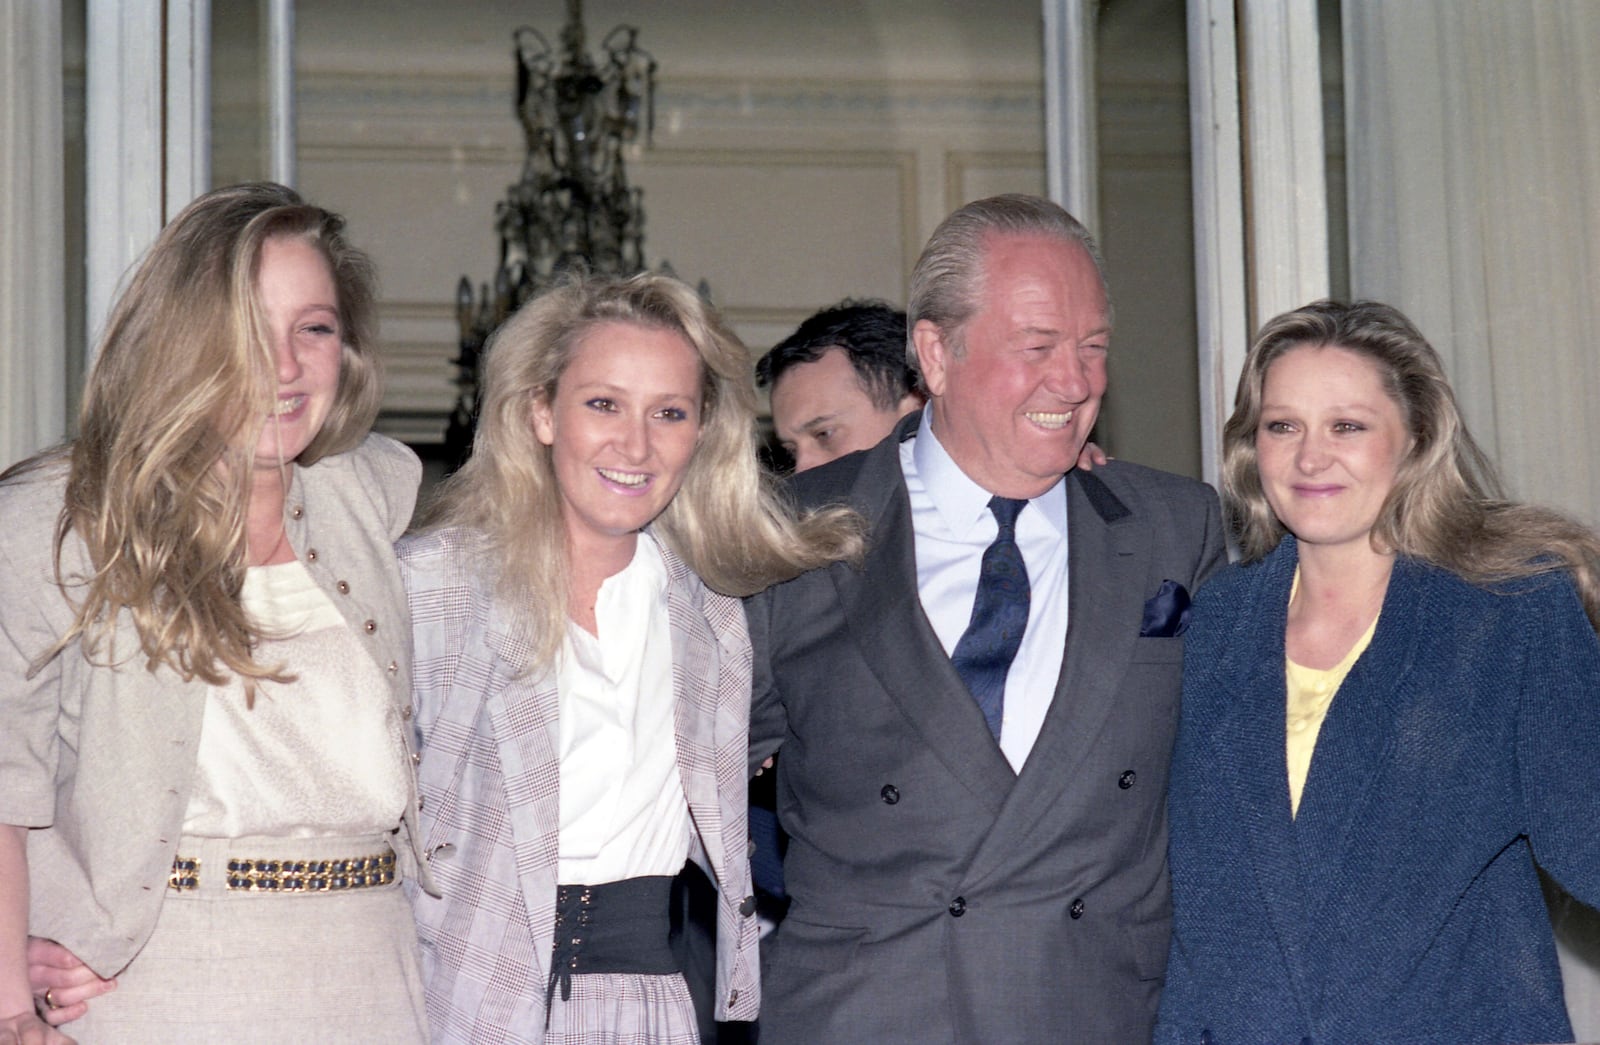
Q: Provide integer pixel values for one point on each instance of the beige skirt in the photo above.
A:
(269, 966)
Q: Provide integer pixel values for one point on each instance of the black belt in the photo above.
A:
(616, 927)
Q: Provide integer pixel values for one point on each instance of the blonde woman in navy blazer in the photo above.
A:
(617, 432)
(1387, 893)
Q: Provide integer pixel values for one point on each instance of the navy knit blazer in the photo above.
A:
(1402, 904)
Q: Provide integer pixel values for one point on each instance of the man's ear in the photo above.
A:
(933, 354)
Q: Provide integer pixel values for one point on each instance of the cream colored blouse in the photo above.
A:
(317, 756)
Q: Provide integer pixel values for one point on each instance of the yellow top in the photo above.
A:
(1311, 692)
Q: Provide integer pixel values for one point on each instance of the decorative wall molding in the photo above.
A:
(878, 160)
(960, 163)
(370, 101)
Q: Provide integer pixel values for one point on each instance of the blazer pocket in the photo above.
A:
(1158, 649)
(823, 948)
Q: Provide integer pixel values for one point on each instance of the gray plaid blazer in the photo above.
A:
(490, 779)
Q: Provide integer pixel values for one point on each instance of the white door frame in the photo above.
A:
(1260, 194)
(148, 127)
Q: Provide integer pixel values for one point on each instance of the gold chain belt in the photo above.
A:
(290, 876)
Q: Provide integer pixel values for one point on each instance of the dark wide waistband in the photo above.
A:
(616, 927)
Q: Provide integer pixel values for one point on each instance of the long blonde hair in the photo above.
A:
(183, 380)
(729, 521)
(1447, 506)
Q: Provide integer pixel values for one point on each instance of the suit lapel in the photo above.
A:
(695, 706)
(1247, 747)
(523, 714)
(1107, 551)
(896, 641)
(1357, 738)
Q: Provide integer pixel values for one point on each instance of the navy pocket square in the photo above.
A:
(1166, 613)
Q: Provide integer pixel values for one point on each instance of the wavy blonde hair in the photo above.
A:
(1447, 506)
(182, 383)
(729, 521)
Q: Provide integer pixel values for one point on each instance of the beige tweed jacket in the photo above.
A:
(490, 782)
(100, 759)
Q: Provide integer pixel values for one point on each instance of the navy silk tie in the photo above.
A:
(999, 617)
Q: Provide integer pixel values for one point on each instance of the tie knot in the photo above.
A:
(1005, 511)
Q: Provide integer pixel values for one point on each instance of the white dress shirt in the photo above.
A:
(623, 810)
(953, 526)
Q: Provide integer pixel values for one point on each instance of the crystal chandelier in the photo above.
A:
(573, 205)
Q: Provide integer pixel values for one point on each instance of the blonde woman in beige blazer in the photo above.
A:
(583, 669)
(204, 660)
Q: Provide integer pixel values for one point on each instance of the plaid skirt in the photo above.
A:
(624, 1009)
(238, 966)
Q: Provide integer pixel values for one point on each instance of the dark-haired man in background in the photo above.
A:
(839, 382)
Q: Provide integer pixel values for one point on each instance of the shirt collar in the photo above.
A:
(962, 503)
(645, 574)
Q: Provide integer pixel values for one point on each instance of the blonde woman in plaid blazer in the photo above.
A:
(613, 511)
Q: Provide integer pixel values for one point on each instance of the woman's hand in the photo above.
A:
(60, 982)
(28, 1029)
(20, 1024)
(1091, 457)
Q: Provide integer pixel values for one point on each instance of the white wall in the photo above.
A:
(797, 161)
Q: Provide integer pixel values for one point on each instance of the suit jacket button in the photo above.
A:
(1076, 910)
(747, 908)
(958, 907)
(733, 998)
(890, 794)
(1127, 778)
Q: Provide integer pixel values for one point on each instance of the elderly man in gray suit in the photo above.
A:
(976, 722)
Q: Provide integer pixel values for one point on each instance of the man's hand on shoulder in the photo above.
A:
(1091, 456)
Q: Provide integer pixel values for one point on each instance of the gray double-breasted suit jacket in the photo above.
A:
(938, 896)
